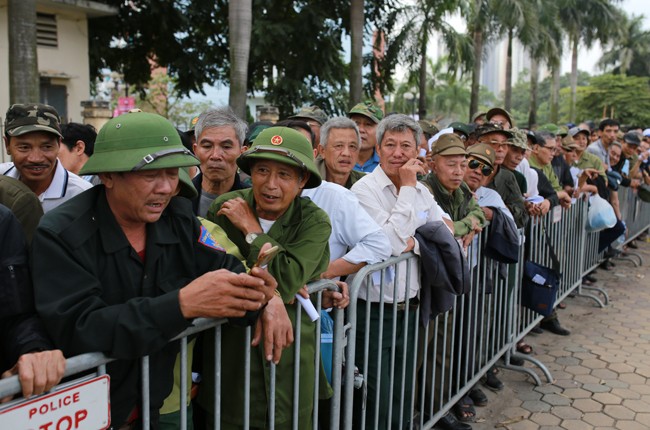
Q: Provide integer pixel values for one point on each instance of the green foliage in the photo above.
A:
(626, 98)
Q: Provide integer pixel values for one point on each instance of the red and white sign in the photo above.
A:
(83, 406)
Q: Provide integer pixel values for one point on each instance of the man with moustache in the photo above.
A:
(366, 116)
(219, 138)
(33, 138)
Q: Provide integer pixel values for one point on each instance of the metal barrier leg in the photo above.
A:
(599, 302)
(526, 370)
(632, 257)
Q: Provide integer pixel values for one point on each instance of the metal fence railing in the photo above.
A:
(387, 369)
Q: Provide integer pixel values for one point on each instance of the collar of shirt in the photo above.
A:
(57, 187)
(370, 165)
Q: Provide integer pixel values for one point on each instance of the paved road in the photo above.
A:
(601, 371)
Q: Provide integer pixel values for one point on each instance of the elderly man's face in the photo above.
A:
(217, 148)
(501, 120)
(498, 142)
(570, 156)
(474, 178)
(396, 148)
(614, 155)
(545, 153)
(629, 150)
(275, 185)
(138, 198)
(514, 157)
(34, 155)
(450, 170)
(367, 131)
(341, 151)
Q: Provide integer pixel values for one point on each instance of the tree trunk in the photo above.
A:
(477, 36)
(555, 94)
(24, 80)
(422, 103)
(508, 91)
(574, 79)
(534, 78)
(240, 16)
(356, 60)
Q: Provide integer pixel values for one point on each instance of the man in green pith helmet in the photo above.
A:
(125, 266)
(281, 164)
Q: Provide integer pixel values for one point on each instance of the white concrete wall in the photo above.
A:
(70, 59)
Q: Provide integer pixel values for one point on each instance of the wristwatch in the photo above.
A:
(250, 237)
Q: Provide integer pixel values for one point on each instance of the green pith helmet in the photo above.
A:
(138, 141)
(284, 145)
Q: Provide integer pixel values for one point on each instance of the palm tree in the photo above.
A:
(547, 47)
(240, 21)
(23, 59)
(356, 60)
(515, 18)
(478, 21)
(585, 21)
(429, 17)
(630, 47)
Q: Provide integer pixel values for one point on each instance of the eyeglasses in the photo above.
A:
(273, 150)
(485, 169)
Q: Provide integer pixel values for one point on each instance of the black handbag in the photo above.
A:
(540, 284)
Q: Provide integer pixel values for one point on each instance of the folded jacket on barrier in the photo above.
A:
(444, 270)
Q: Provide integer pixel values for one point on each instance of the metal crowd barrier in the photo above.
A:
(94, 364)
(418, 372)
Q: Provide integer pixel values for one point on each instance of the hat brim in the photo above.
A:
(313, 118)
(125, 160)
(452, 151)
(24, 129)
(483, 159)
(244, 163)
(494, 111)
(372, 118)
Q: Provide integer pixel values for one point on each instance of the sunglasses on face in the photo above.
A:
(475, 164)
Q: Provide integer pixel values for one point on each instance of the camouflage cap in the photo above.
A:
(311, 112)
(479, 116)
(568, 144)
(499, 111)
(448, 144)
(491, 128)
(550, 128)
(563, 130)
(25, 118)
(427, 127)
(368, 109)
(519, 139)
(482, 152)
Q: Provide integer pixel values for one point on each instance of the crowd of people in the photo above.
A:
(136, 230)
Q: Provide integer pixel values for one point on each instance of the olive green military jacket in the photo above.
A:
(461, 205)
(548, 171)
(355, 175)
(505, 183)
(302, 234)
(94, 293)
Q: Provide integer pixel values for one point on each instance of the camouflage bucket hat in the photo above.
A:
(311, 112)
(284, 145)
(138, 141)
(499, 111)
(25, 118)
(491, 128)
(427, 127)
(519, 139)
(369, 110)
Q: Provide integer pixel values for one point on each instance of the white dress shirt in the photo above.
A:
(399, 215)
(64, 186)
(355, 237)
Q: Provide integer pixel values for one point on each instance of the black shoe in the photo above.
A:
(537, 330)
(449, 422)
(633, 245)
(478, 397)
(553, 325)
(590, 278)
(606, 265)
(492, 382)
(516, 361)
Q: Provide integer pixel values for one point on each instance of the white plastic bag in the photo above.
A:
(600, 215)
